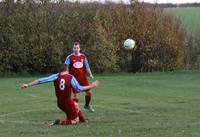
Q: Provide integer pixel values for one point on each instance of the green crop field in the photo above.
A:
(190, 17)
(127, 105)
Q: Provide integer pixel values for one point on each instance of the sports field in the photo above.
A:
(127, 105)
(190, 17)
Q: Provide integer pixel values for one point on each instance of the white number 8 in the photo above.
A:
(62, 84)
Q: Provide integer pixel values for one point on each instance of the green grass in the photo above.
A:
(127, 105)
(190, 17)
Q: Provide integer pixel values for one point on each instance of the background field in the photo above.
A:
(190, 17)
(127, 105)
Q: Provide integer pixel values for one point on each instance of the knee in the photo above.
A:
(89, 93)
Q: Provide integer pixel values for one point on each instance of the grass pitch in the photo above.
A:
(190, 17)
(127, 105)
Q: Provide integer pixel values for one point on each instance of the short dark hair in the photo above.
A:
(62, 68)
(76, 43)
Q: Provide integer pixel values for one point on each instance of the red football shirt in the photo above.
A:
(63, 87)
(77, 68)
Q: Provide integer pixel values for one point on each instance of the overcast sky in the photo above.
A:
(151, 1)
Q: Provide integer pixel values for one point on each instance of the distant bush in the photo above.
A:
(36, 37)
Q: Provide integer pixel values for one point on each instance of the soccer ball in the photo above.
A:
(129, 44)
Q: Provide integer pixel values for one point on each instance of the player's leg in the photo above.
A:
(88, 95)
(69, 122)
(72, 115)
(87, 102)
(82, 119)
(75, 96)
(80, 114)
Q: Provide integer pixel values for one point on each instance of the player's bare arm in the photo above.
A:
(89, 73)
(33, 83)
(87, 68)
(92, 85)
(39, 81)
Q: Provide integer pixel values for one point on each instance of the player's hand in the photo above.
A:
(23, 86)
(95, 84)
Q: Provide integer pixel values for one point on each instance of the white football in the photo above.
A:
(129, 44)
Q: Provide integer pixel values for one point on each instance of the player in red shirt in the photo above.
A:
(64, 83)
(77, 65)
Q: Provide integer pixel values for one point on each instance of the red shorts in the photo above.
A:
(69, 108)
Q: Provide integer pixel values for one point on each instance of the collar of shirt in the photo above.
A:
(77, 54)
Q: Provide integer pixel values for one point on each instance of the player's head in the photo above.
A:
(76, 48)
(62, 68)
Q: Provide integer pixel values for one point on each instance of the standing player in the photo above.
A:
(64, 83)
(77, 65)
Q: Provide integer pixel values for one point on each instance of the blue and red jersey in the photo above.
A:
(52, 78)
(77, 65)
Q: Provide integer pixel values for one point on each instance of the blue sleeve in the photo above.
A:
(86, 64)
(76, 85)
(67, 61)
(50, 78)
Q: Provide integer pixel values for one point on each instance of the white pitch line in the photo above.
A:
(23, 111)
(30, 110)
(21, 122)
(116, 109)
(34, 96)
(35, 110)
(101, 106)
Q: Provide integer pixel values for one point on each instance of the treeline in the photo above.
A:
(37, 36)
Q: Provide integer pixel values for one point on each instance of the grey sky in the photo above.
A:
(151, 1)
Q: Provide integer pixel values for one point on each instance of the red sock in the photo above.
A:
(69, 121)
(75, 99)
(65, 122)
(87, 100)
(80, 115)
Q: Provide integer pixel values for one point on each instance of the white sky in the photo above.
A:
(151, 1)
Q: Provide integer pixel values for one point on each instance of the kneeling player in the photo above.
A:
(64, 83)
